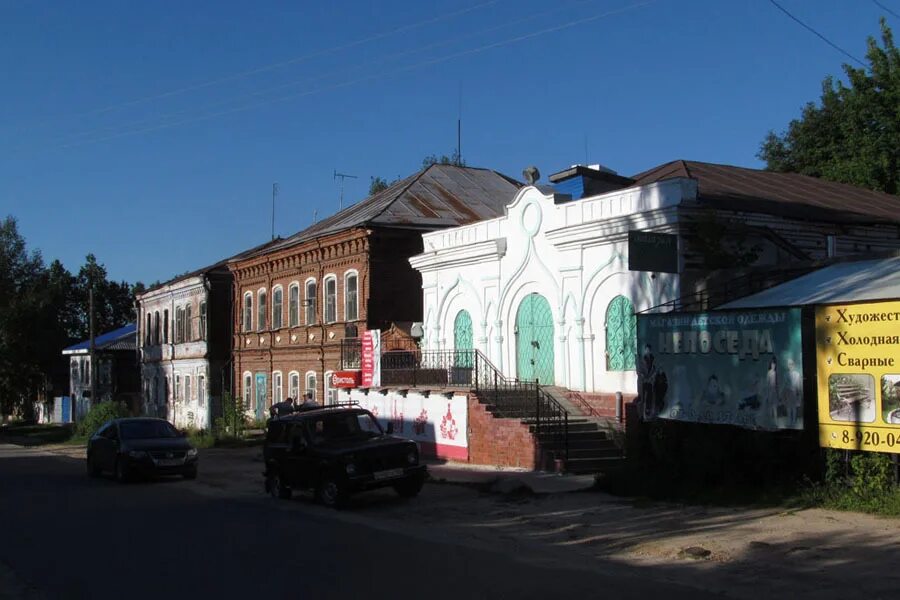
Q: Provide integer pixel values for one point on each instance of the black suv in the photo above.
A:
(336, 451)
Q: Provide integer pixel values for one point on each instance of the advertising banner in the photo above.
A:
(858, 362)
(438, 423)
(371, 358)
(345, 379)
(741, 368)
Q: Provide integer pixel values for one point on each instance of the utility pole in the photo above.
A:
(93, 356)
(274, 193)
(343, 176)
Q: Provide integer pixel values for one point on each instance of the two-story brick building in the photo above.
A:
(296, 299)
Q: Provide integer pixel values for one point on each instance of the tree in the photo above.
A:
(853, 135)
(454, 159)
(377, 184)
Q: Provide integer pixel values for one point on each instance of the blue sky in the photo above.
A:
(150, 133)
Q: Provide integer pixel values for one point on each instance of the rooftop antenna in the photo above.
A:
(274, 193)
(459, 128)
(343, 176)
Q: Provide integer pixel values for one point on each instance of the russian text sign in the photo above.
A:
(858, 358)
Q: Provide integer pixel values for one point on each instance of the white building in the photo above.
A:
(545, 292)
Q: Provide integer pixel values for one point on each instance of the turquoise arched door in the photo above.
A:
(462, 338)
(621, 335)
(534, 340)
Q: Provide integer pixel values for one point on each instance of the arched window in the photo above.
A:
(294, 385)
(248, 311)
(330, 315)
(311, 302)
(276, 386)
(166, 326)
(188, 325)
(351, 292)
(261, 310)
(156, 328)
(311, 383)
(147, 331)
(294, 304)
(331, 392)
(248, 391)
(621, 335)
(202, 332)
(277, 307)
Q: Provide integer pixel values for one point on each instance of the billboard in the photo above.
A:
(858, 363)
(371, 358)
(648, 251)
(741, 368)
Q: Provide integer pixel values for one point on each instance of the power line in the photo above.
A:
(883, 7)
(817, 34)
(371, 76)
(72, 139)
(291, 61)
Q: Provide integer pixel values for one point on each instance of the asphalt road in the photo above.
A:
(64, 535)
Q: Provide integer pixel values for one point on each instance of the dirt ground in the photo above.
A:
(740, 552)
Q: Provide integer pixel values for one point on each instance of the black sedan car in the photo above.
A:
(140, 446)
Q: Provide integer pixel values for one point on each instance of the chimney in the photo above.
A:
(582, 181)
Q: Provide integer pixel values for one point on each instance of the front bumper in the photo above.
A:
(148, 467)
(371, 481)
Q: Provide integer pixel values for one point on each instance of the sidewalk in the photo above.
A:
(507, 480)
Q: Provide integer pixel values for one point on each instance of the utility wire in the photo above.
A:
(72, 139)
(372, 76)
(817, 34)
(882, 6)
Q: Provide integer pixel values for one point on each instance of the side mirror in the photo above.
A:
(390, 428)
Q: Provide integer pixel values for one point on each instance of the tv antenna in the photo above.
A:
(343, 176)
(274, 193)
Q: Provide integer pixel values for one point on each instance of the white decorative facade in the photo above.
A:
(545, 291)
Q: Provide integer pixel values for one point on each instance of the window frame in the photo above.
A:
(188, 392)
(331, 392)
(156, 328)
(247, 312)
(277, 307)
(248, 390)
(204, 320)
(166, 326)
(347, 315)
(277, 387)
(315, 383)
(188, 323)
(261, 308)
(294, 391)
(311, 299)
(201, 390)
(294, 306)
(330, 278)
(629, 338)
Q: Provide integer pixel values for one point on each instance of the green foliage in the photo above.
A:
(864, 483)
(378, 184)
(723, 245)
(99, 414)
(853, 134)
(201, 438)
(454, 159)
(232, 423)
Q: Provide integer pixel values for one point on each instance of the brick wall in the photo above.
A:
(499, 442)
(603, 405)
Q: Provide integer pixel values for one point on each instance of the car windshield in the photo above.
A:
(344, 426)
(144, 430)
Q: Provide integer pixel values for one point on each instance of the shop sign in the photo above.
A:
(858, 362)
(371, 358)
(345, 379)
(741, 368)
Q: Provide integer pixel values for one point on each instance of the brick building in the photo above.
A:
(296, 299)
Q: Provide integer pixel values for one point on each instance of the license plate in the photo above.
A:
(389, 474)
(169, 462)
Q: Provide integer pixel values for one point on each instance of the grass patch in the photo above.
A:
(36, 435)
(835, 497)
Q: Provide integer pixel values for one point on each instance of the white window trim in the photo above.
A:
(280, 288)
(329, 277)
(248, 402)
(306, 297)
(262, 290)
(201, 386)
(244, 308)
(329, 399)
(290, 390)
(306, 387)
(299, 303)
(277, 390)
(188, 384)
(347, 275)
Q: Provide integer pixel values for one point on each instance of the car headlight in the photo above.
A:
(137, 454)
(412, 458)
(192, 453)
(351, 468)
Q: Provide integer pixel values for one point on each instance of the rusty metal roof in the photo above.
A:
(437, 197)
(786, 194)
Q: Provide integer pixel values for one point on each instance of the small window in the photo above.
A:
(248, 390)
(201, 390)
(188, 324)
(177, 388)
(248, 312)
(330, 300)
(261, 310)
(294, 385)
(331, 392)
(351, 306)
(202, 331)
(179, 325)
(294, 305)
(156, 328)
(311, 302)
(277, 308)
(147, 331)
(311, 383)
(187, 388)
(166, 326)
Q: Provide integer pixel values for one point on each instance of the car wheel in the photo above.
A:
(92, 469)
(121, 471)
(330, 492)
(191, 474)
(409, 488)
(277, 489)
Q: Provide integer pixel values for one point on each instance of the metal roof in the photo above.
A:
(438, 196)
(786, 194)
(846, 282)
(123, 338)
